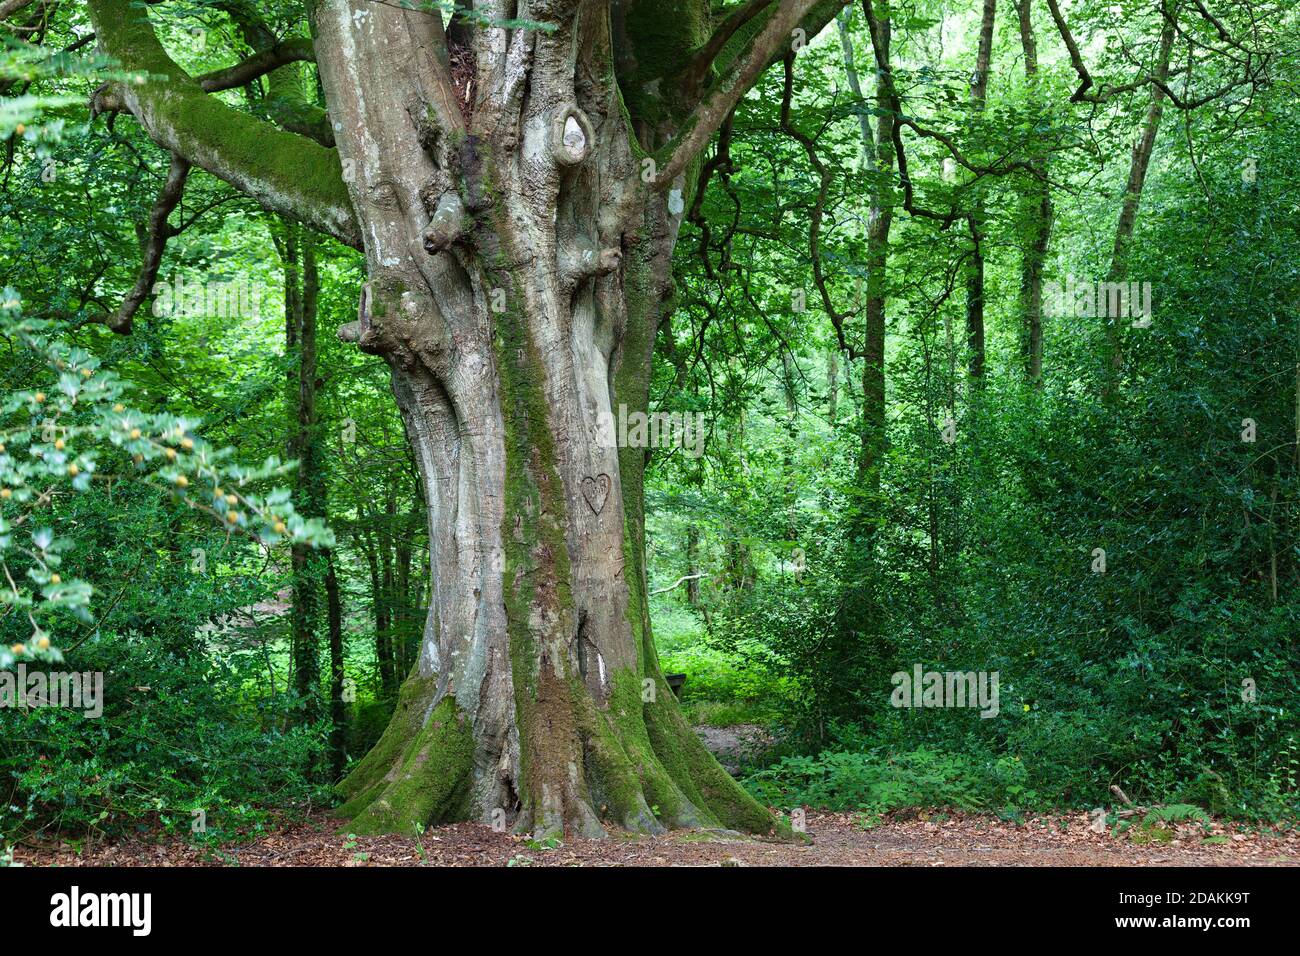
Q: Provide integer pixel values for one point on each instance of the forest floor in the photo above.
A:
(834, 839)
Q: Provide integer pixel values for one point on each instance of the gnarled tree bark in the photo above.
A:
(517, 213)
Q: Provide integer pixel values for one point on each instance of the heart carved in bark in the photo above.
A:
(596, 491)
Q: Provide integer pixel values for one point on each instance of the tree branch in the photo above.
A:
(825, 177)
(284, 172)
(154, 244)
(9, 7)
(697, 70)
(766, 47)
(879, 30)
(259, 64)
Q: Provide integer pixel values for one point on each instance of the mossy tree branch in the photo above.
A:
(286, 103)
(286, 173)
(259, 64)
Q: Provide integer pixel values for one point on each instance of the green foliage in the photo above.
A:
(880, 782)
(1172, 672)
(815, 577)
(80, 471)
(176, 736)
(1176, 813)
(748, 684)
(57, 439)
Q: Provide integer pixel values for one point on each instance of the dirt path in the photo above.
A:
(837, 839)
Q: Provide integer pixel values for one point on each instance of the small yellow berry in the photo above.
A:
(18, 649)
(182, 481)
(73, 470)
(55, 579)
(86, 373)
(6, 494)
(135, 433)
(138, 458)
(217, 492)
(232, 516)
(40, 397)
(280, 527)
(187, 443)
(171, 454)
(43, 643)
(232, 499)
(119, 408)
(58, 443)
(20, 129)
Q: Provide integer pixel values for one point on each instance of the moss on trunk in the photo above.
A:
(419, 772)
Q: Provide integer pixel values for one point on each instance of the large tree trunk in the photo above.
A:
(516, 269)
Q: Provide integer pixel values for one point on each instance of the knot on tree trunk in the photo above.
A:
(448, 225)
(582, 260)
(107, 99)
(570, 136)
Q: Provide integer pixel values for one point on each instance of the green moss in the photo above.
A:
(628, 781)
(413, 700)
(537, 571)
(283, 170)
(427, 780)
(664, 34)
(1151, 834)
(695, 769)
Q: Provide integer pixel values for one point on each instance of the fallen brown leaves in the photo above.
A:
(837, 839)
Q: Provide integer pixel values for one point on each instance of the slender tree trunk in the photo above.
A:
(302, 283)
(692, 565)
(388, 679)
(975, 221)
(791, 491)
(1137, 174)
(387, 587)
(338, 706)
(832, 384)
(857, 646)
(880, 219)
(1038, 217)
(868, 146)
